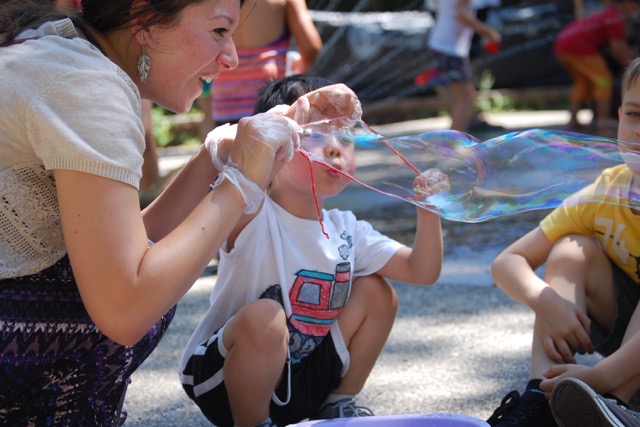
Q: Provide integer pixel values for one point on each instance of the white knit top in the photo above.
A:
(63, 105)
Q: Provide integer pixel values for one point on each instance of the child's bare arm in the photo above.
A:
(513, 270)
(421, 264)
(609, 375)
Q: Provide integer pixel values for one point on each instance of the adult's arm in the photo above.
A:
(127, 285)
(304, 32)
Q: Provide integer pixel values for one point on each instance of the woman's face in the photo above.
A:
(198, 47)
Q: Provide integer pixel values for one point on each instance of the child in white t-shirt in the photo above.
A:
(301, 309)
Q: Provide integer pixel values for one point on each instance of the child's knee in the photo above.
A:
(261, 319)
(574, 250)
(380, 291)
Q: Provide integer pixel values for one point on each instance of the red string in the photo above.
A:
(313, 184)
(313, 191)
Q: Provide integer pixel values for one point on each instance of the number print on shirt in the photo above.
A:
(618, 246)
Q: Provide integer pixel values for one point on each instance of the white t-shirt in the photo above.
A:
(448, 35)
(63, 105)
(286, 258)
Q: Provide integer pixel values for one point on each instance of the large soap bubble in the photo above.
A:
(516, 172)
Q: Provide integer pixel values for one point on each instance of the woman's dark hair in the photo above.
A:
(103, 15)
(287, 90)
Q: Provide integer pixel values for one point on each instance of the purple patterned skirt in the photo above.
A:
(56, 368)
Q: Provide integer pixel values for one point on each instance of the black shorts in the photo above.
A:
(627, 297)
(296, 398)
(451, 69)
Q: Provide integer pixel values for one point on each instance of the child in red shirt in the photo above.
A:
(578, 48)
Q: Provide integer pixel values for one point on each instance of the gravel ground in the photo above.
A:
(453, 348)
(458, 346)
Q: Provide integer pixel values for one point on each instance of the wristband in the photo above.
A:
(251, 193)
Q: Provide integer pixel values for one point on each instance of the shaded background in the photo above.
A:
(378, 47)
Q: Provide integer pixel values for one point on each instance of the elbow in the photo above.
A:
(430, 277)
(123, 327)
(496, 266)
(126, 334)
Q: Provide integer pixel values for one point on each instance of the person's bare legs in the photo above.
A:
(580, 272)
(632, 385)
(605, 124)
(365, 323)
(257, 339)
(462, 105)
(445, 98)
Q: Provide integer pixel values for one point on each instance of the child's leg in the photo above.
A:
(632, 384)
(365, 324)
(464, 96)
(257, 340)
(581, 273)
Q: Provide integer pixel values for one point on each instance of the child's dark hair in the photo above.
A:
(630, 76)
(287, 90)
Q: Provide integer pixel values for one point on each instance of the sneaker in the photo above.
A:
(574, 403)
(343, 408)
(529, 410)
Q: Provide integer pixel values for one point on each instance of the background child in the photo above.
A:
(589, 296)
(579, 48)
(450, 44)
(297, 320)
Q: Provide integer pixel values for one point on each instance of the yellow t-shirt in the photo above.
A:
(615, 226)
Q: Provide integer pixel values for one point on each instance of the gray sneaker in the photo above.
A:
(343, 408)
(575, 404)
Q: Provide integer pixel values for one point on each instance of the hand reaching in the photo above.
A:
(327, 103)
(430, 182)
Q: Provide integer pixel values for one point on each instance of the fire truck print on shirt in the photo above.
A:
(316, 298)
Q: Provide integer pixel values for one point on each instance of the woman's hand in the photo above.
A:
(263, 143)
(327, 103)
(218, 142)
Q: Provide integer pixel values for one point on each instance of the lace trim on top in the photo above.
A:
(30, 226)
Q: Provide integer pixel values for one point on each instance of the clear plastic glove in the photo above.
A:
(218, 142)
(431, 182)
(264, 142)
(327, 103)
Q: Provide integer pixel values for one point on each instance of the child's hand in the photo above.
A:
(430, 182)
(556, 373)
(327, 103)
(562, 327)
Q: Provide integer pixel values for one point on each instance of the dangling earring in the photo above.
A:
(144, 65)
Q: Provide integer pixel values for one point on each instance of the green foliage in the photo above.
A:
(163, 128)
(489, 99)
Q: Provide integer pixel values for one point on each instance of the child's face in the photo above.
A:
(629, 127)
(335, 149)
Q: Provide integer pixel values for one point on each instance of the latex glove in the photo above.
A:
(218, 142)
(327, 103)
(264, 142)
(430, 182)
